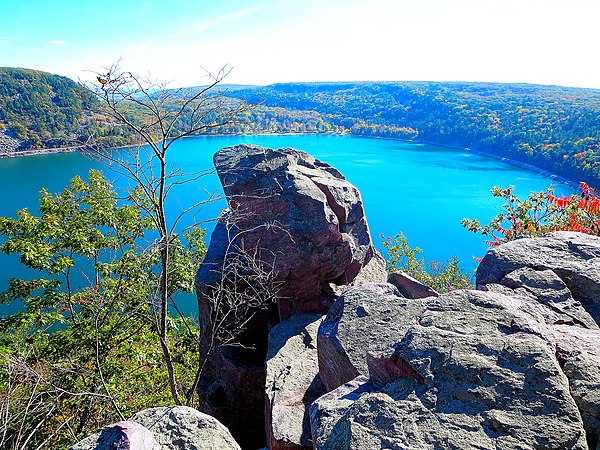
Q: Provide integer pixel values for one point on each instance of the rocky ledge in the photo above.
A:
(346, 359)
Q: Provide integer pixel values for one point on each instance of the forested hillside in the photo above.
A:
(554, 128)
(42, 110)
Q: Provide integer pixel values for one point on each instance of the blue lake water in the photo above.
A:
(420, 189)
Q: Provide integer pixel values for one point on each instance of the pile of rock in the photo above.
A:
(514, 364)
(8, 143)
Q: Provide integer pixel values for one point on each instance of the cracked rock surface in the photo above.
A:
(469, 369)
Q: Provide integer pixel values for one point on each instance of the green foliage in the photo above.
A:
(551, 127)
(441, 276)
(82, 350)
(43, 110)
(538, 214)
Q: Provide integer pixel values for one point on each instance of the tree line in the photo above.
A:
(551, 127)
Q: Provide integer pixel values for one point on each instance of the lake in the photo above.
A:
(420, 189)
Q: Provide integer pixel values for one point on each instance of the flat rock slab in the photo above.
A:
(293, 381)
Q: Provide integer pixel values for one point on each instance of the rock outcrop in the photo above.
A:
(466, 370)
(512, 365)
(304, 224)
(572, 257)
(9, 144)
(302, 211)
(165, 428)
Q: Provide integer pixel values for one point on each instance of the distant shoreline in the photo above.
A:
(513, 162)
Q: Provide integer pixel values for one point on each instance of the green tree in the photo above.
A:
(441, 276)
(82, 350)
(158, 117)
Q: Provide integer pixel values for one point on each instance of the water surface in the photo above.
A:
(420, 189)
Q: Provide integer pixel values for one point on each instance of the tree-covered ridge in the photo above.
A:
(554, 128)
(43, 110)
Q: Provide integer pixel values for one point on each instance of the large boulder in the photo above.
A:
(294, 229)
(125, 435)
(573, 257)
(164, 428)
(468, 369)
(366, 318)
(185, 428)
(293, 381)
(306, 216)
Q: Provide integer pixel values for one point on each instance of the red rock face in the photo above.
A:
(305, 224)
(303, 212)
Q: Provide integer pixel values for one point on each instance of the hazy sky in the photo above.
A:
(269, 41)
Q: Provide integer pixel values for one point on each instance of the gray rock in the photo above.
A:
(306, 226)
(472, 372)
(293, 381)
(367, 318)
(409, 287)
(126, 435)
(578, 351)
(545, 287)
(574, 257)
(184, 428)
(9, 144)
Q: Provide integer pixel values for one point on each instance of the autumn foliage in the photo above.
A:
(540, 213)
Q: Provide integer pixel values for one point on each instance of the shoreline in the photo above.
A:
(513, 162)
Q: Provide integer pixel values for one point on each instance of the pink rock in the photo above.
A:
(409, 287)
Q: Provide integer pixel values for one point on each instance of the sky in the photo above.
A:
(277, 41)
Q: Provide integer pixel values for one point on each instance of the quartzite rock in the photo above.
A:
(126, 435)
(472, 373)
(410, 287)
(574, 257)
(184, 428)
(293, 381)
(302, 211)
(304, 224)
(578, 351)
(546, 289)
(366, 318)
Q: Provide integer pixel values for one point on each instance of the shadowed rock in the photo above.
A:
(293, 381)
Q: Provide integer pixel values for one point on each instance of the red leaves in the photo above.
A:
(492, 243)
(585, 189)
(561, 202)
